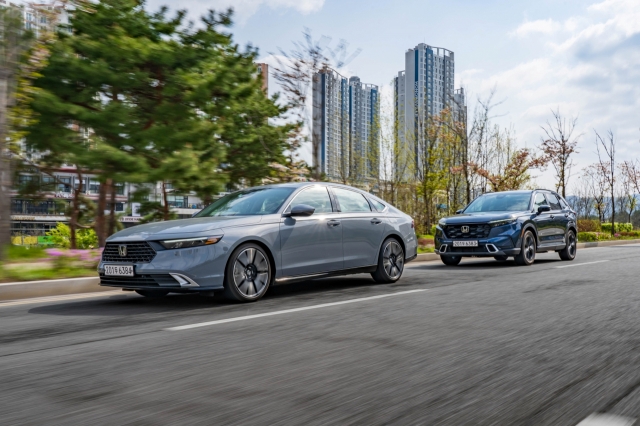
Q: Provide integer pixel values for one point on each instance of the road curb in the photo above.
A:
(30, 289)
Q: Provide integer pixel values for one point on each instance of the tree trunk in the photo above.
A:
(5, 167)
(75, 212)
(112, 213)
(100, 225)
(165, 203)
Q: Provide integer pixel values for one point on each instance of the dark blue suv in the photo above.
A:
(509, 223)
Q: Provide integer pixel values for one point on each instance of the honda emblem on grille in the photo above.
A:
(122, 250)
(464, 229)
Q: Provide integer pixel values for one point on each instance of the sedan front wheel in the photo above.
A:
(248, 274)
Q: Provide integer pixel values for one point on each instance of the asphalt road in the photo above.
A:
(481, 343)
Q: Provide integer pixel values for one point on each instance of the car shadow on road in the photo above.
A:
(130, 303)
(479, 264)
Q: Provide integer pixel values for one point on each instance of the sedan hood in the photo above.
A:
(173, 228)
(482, 217)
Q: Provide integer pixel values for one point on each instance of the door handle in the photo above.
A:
(551, 216)
(333, 223)
(376, 221)
(566, 215)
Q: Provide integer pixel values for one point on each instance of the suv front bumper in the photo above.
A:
(484, 249)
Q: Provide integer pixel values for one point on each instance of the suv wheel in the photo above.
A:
(390, 262)
(569, 252)
(527, 253)
(451, 260)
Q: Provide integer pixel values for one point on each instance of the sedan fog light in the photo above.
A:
(190, 242)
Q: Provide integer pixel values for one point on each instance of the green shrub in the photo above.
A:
(25, 253)
(586, 237)
(61, 235)
(433, 230)
(589, 225)
(620, 227)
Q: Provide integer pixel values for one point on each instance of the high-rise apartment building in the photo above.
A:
(423, 90)
(345, 123)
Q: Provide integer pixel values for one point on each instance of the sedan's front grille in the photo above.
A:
(136, 252)
(155, 280)
(473, 231)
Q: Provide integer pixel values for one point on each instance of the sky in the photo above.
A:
(581, 56)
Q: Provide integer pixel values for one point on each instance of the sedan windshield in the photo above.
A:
(247, 203)
(499, 202)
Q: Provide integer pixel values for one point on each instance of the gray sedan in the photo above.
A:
(253, 238)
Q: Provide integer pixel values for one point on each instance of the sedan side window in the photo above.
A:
(317, 197)
(554, 202)
(539, 201)
(351, 202)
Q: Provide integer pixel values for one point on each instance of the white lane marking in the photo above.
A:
(288, 311)
(607, 420)
(580, 264)
(33, 300)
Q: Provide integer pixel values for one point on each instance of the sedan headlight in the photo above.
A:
(501, 222)
(190, 242)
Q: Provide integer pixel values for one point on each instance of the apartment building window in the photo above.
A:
(119, 188)
(77, 182)
(24, 180)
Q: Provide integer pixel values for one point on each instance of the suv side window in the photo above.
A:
(554, 203)
(316, 196)
(539, 201)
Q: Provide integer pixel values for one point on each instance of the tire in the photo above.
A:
(527, 253)
(501, 258)
(390, 262)
(248, 274)
(451, 260)
(570, 251)
(152, 294)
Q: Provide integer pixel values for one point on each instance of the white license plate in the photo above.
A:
(119, 270)
(472, 243)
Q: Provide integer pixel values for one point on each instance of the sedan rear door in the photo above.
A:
(362, 228)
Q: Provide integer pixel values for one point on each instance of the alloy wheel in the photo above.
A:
(251, 273)
(572, 245)
(529, 248)
(393, 259)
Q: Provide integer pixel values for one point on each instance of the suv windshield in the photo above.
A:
(246, 203)
(499, 202)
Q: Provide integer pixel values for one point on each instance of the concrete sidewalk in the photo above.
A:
(29, 289)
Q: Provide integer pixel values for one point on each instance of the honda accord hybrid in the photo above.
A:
(251, 239)
(506, 224)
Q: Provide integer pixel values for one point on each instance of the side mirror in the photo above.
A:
(302, 210)
(459, 211)
(544, 208)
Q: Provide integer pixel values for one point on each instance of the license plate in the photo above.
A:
(473, 243)
(119, 270)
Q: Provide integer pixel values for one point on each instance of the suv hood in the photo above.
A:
(482, 217)
(186, 227)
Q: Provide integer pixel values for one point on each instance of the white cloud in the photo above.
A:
(543, 26)
(243, 9)
(591, 70)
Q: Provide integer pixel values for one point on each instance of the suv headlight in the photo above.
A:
(502, 222)
(190, 242)
(442, 222)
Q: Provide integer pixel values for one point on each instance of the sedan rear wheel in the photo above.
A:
(390, 262)
(248, 274)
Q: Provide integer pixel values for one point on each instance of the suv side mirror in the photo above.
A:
(459, 211)
(302, 210)
(544, 208)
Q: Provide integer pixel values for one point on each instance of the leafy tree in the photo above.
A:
(146, 98)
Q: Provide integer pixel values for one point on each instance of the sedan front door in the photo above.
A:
(363, 228)
(312, 244)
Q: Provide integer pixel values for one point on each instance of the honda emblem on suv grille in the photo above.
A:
(464, 229)
(122, 250)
